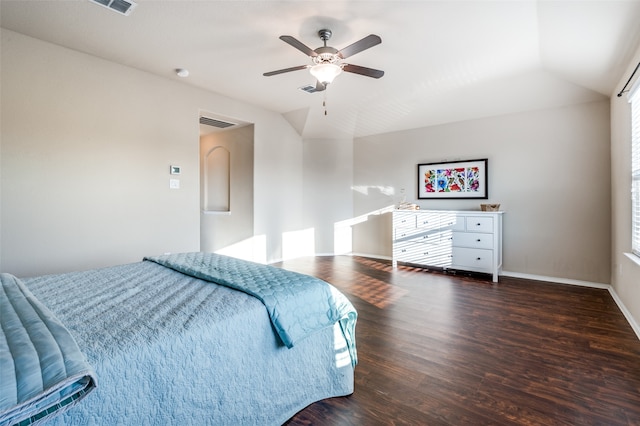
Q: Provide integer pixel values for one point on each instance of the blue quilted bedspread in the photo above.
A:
(171, 349)
(42, 370)
(298, 304)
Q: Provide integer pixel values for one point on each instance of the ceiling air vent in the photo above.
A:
(308, 88)
(215, 123)
(124, 7)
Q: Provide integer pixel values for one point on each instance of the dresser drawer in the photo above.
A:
(423, 254)
(451, 221)
(473, 240)
(406, 251)
(404, 220)
(417, 236)
(479, 224)
(477, 259)
(404, 234)
(428, 220)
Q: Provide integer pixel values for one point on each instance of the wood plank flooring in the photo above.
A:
(437, 349)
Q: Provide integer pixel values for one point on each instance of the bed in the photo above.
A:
(200, 338)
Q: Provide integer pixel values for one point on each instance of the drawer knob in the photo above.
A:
(478, 259)
(477, 224)
(478, 240)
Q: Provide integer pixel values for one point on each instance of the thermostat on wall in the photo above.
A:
(175, 170)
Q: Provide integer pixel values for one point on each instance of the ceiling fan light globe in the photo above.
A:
(325, 73)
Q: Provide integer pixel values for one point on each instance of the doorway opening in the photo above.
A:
(226, 182)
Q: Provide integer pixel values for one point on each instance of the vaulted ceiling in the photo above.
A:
(444, 61)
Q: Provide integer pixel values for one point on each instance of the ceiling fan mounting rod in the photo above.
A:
(325, 35)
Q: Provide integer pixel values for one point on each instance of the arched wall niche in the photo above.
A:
(217, 180)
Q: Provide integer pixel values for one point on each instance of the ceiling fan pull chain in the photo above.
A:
(324, 102)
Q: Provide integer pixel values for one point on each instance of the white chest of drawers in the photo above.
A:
(464, 240)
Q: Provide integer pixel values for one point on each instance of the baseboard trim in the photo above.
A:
(555, 280)
(371, 256)
(632, 322)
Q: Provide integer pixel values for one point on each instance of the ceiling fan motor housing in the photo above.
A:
(326, 55)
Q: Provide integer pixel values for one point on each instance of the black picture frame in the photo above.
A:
(453, 180)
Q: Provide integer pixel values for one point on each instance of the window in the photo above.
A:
(635, 169)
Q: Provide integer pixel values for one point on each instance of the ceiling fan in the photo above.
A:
(327, 61)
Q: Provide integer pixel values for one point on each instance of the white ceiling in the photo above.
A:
(444, 61)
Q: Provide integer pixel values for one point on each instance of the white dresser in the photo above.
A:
(462, 239)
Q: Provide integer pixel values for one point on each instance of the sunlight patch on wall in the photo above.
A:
(253, 249)
(364, 189)
(365, 217)
(342, 237)
(298, 243)
(343, 230)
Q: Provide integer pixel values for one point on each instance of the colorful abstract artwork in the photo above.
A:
(458, 179)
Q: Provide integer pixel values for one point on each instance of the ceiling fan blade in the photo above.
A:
(367, 42)
(298, 45)
(369, 72)
(299, 67)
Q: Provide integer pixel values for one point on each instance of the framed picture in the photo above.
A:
(455, 179)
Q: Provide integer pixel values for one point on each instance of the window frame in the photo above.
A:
(634, 100)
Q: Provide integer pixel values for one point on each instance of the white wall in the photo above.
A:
(549, 170)
(86, 146)
(625, 276)
(278, 174)
(328, 200)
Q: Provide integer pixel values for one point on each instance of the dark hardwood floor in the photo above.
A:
(438, 349)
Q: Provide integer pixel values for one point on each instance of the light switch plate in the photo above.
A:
(174, 183)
